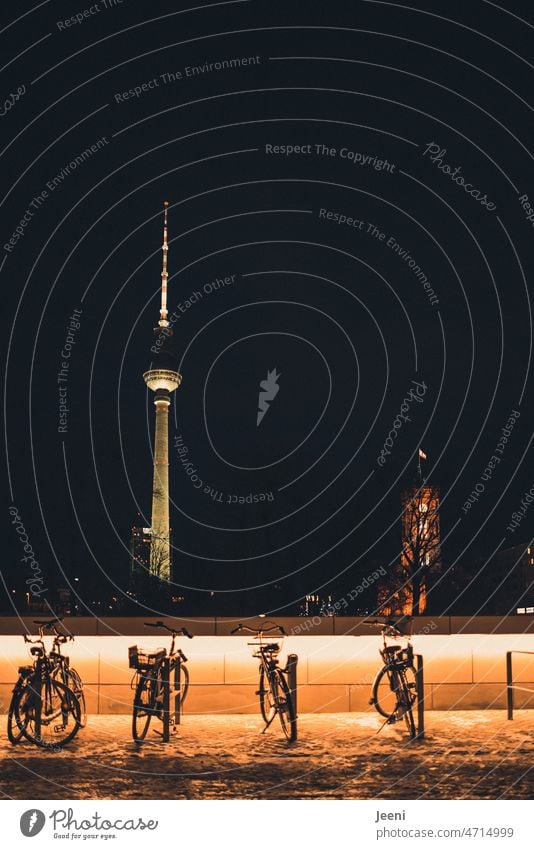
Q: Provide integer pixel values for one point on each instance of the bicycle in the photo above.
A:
(62, 669)
(394, 691)
(152, 678)
(43, 709)
(275, 695)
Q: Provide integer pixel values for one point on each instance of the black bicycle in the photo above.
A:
(394, 691)
(62, 670)
(44, 709)
(151, 679)
(274, 692)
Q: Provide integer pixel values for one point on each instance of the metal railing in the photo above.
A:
(420, 682)
(510, 686)
(291, 670)
(172, 714)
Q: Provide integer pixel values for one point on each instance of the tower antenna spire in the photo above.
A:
(163, 320)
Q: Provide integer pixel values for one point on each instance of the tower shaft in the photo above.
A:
(160, 549)
(162, 379)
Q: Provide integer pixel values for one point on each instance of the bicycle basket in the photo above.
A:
(139, 659)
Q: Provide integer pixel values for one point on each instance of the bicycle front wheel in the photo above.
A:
(394, 691)
(263, 693)
(143, 707)
(49, 716)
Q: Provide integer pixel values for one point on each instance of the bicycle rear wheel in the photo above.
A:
(76, 684)
(144, 707)
(49, 716)
(407, 698)
(184, 684)
(285, 708)
(275, 698)
(71, 678)
(16, 718)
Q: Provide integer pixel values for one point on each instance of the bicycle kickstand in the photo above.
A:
(267, 724)
(386, 722)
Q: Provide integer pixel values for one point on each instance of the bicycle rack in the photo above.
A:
(167, 691)
(420, 684)
(291, 670)
(510, 686)
(38, 685)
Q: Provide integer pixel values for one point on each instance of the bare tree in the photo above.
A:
(394, 596)
(160, 564)
(421, 548)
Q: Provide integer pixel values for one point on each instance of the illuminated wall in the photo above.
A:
(335, 672)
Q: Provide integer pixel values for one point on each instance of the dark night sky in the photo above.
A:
(334, 309)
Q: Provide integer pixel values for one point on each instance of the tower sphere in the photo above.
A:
(162, 379)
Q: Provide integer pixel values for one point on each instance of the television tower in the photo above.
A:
(162, 379)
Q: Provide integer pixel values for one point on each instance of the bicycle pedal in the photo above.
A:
(372, 701)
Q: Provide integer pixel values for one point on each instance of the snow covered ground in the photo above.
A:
(465, 755)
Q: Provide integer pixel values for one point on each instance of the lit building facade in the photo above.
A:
(139, 555)
(513, 568)
(406, 591)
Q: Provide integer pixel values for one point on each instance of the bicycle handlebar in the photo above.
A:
(51, 625)
(48, 623)
(399, 625)
(241, 627)
(380, 623)
(172, 631)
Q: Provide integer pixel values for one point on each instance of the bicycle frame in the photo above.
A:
(279, 701)
(394, 656)
(39, 698)
(153, 684)
(397, 678)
